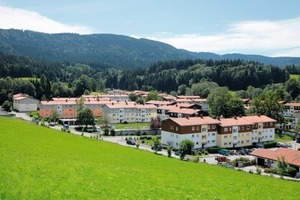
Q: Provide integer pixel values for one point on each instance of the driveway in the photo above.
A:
(22, 115)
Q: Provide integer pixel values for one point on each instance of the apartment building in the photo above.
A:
(201, 130)
(130, 112)
(234, 132)
(24, 103)
(67, 107)
(263, 128)
(165, 112)
(224, 132)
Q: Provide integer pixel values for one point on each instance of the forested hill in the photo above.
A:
(108, 50)
(101, 50)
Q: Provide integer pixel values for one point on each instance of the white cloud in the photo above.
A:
(272, 38)
(28, 20)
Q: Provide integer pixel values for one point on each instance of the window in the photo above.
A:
(225, 136)
(176, 128)
(192, 135)
(248, 127)
(225, 144)
(226, 129)
(204, 137)
(213, 126)
(213, 134)
(213, 141)
(229, 143)
(271, 124)
(197, 143)
(248, 141)
(197, 128)
(203, 129)
(193, 128)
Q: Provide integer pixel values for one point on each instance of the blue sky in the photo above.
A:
(264, 27)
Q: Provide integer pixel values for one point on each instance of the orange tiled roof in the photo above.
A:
(292, 104)
(259, 119)
(192, 121)
(158, 102)
(291, 156)
(183, 110)
(235, 121)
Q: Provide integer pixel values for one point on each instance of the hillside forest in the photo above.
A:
(46, 79)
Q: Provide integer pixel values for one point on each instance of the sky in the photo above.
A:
(264, 27)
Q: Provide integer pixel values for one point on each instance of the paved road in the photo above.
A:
(22, 115)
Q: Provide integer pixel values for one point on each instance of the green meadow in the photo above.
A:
(41, 163)
(294, 76)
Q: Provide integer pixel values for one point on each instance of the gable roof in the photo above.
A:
(259, 119)
(193, 121)
(235, 121)
(290, 156)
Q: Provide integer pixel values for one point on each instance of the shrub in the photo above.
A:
(269, 170)
(270, 144)
(258, 170)
(196, 159)
(144, 133)
(138, 133)
(213, 149)
(291, 171)
(106, 131)
(112, 132)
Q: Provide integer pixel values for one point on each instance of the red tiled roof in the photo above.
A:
(183, 100)
(159, 102)
(184, 110)
(237, 121)
(259, 119)
(292, 104)
(188, 97)
(190, 121)
(290, 156)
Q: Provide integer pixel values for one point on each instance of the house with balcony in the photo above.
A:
(263, 128)
(223, 132)
(131, 112)
(234, 132)
(201, 130)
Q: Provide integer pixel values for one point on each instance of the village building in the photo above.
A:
(269, 158)
(24, 103)
(223, 132)
(201, 130)
(129, 112)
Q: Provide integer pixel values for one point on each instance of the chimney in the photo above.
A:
(235, 117)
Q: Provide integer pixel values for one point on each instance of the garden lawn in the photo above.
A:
(283, 138)
(294, 76)
(133, 126)
(42, 163)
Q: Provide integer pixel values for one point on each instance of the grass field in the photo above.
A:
(283, 138)
(41, 163)
(133, 126)
(294, 76)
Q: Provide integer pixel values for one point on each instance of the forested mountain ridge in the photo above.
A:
(102, 50)
(108, 50)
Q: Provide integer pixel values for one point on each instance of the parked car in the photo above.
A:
(130, 142)
(224, 152)
(159, 148)
(52, 124)
(284, 145)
